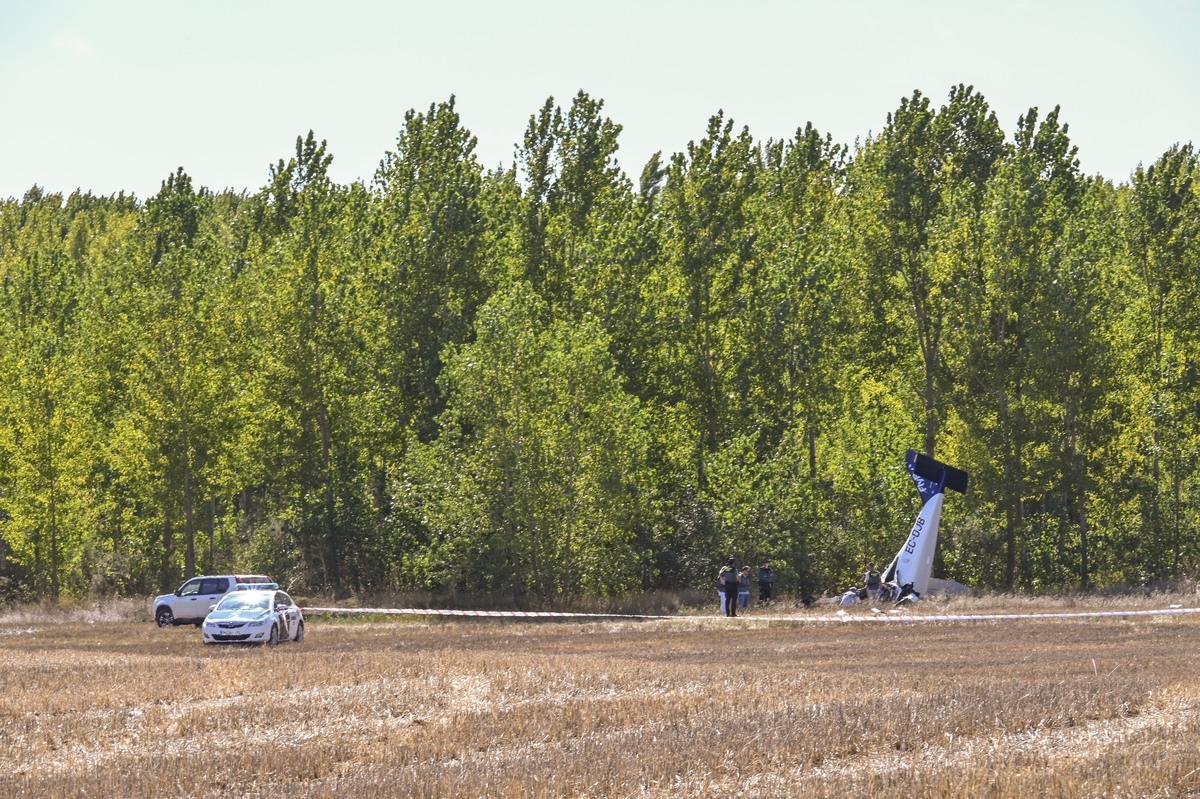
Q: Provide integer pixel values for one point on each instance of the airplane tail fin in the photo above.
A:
(932, 476)
(910, 569)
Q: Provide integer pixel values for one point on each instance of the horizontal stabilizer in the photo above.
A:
(932, 470)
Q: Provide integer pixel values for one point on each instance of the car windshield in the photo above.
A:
(246, 600)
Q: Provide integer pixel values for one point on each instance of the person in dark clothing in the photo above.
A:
(744, 588)
(728, 577)
(766, 580)
(872, 581)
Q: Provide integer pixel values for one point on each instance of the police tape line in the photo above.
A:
(517, 614)
(840, 617)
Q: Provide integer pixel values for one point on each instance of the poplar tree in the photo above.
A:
(1162, 232)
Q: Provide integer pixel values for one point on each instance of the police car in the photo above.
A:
(254, 614)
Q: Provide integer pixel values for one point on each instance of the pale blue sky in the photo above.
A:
(114, 95)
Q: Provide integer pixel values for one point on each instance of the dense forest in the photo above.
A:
(561, 378)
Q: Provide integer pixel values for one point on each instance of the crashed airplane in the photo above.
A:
(909, 570)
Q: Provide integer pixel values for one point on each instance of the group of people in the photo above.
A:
(734, 586)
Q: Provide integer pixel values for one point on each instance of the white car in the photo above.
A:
(191, 601)
(257, 615)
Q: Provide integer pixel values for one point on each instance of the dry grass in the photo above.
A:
(696, 707)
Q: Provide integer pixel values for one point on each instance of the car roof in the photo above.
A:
(248, 596)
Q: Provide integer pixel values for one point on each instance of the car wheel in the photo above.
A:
(273, 637)
(164, 617)
(299, 632)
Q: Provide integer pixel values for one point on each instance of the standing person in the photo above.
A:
(766, 579)
(872, 580)
(744, 587)
(728, 577)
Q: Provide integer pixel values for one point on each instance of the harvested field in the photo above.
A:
(700, 707)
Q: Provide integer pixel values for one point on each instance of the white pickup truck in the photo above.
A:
(191, 601)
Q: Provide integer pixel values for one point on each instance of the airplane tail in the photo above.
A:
(910, 569)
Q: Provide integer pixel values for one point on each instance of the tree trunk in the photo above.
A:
(188, 509)
(1085, 576)
(54, 586)
(930, 411)
(1010, 510)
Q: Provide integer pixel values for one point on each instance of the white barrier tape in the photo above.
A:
(519, 614)
(533, 614)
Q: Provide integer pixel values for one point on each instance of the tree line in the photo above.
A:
(559, 378)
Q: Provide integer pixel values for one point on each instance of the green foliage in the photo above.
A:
(553, 380)
(547, 452)
(1163, 242)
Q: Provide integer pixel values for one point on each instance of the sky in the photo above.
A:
(115, 95)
